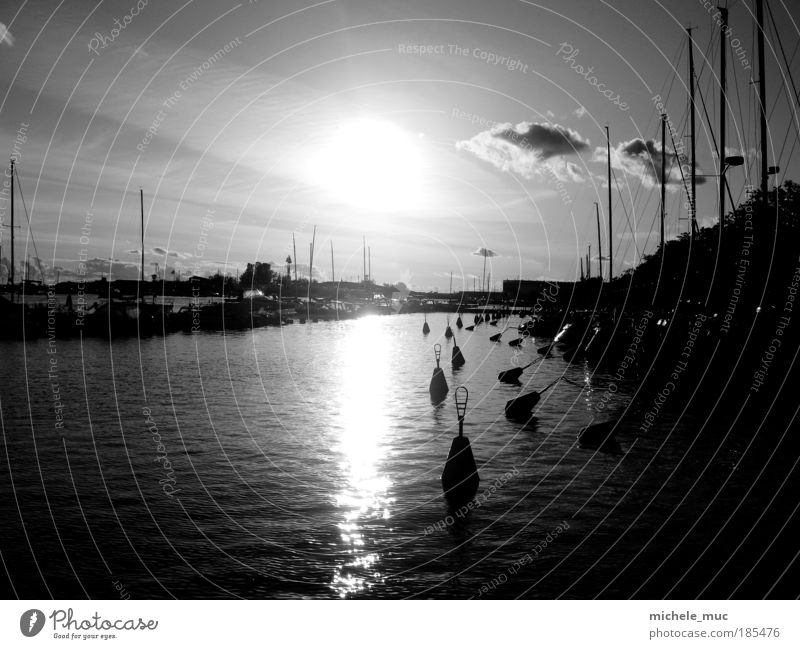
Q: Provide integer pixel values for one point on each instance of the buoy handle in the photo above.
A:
(462, 396)
(437, 350)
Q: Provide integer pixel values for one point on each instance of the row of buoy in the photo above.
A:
(448, 332)
(460, 479)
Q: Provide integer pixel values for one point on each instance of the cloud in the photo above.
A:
(167, 253)
(547, 140)
(529, 149)
(486, 252)
(5, 36)
(580, 112)
(642, 158)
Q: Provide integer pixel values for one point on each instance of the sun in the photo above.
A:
(370, 163)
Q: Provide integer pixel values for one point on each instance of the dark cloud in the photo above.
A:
(546, 140)
(529, 149)
(168, 253)
(643, 159)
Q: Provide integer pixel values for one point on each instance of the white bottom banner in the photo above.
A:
(355, 624)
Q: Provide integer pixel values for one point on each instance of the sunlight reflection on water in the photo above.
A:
(364, 428)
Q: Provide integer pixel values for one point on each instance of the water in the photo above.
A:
(305, 461)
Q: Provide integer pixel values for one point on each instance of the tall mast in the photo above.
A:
(294, 251)
(141, 273)
(333, 275)
(610, 231)
(364, 254)
(663, 175)
(723, 28)
(599, 244)
(762, 96)
(692, 109)
(588, 266)
(369, 263)
(311, 257)
(12, 229)
(582, 277)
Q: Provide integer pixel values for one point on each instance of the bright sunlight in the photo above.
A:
(372, 164)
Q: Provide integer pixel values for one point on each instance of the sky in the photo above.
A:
(445, 132)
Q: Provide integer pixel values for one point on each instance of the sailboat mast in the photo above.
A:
(723, 29)
(692, 109)
(12, 229)
(762, 96)
(588, 262)
(663, 175)
(610, 222)
(141, 211)
(369, 263)
(294, 251)
(599, 244)
(333, 275)
(364, 256)
(311, 257)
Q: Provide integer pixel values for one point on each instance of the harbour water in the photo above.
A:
(305, 461)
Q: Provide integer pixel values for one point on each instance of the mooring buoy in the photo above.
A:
(600, 437)
(448, 333)
(425, 327)
(459, 324)
(458, 357)
(438, 387)
(512, 375)
(460, 478)
(470, 328)
(522, 406)
(496, 337)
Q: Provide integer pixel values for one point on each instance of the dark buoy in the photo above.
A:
(459, 324)
(516, 342)
(448, 333)
(425, 328)
(458, 357)
(512, 375)
(600, 437)
(496, 337)
(523, 405)
(438, 387)
(470, 328)
(493, 323)
(460, 478)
